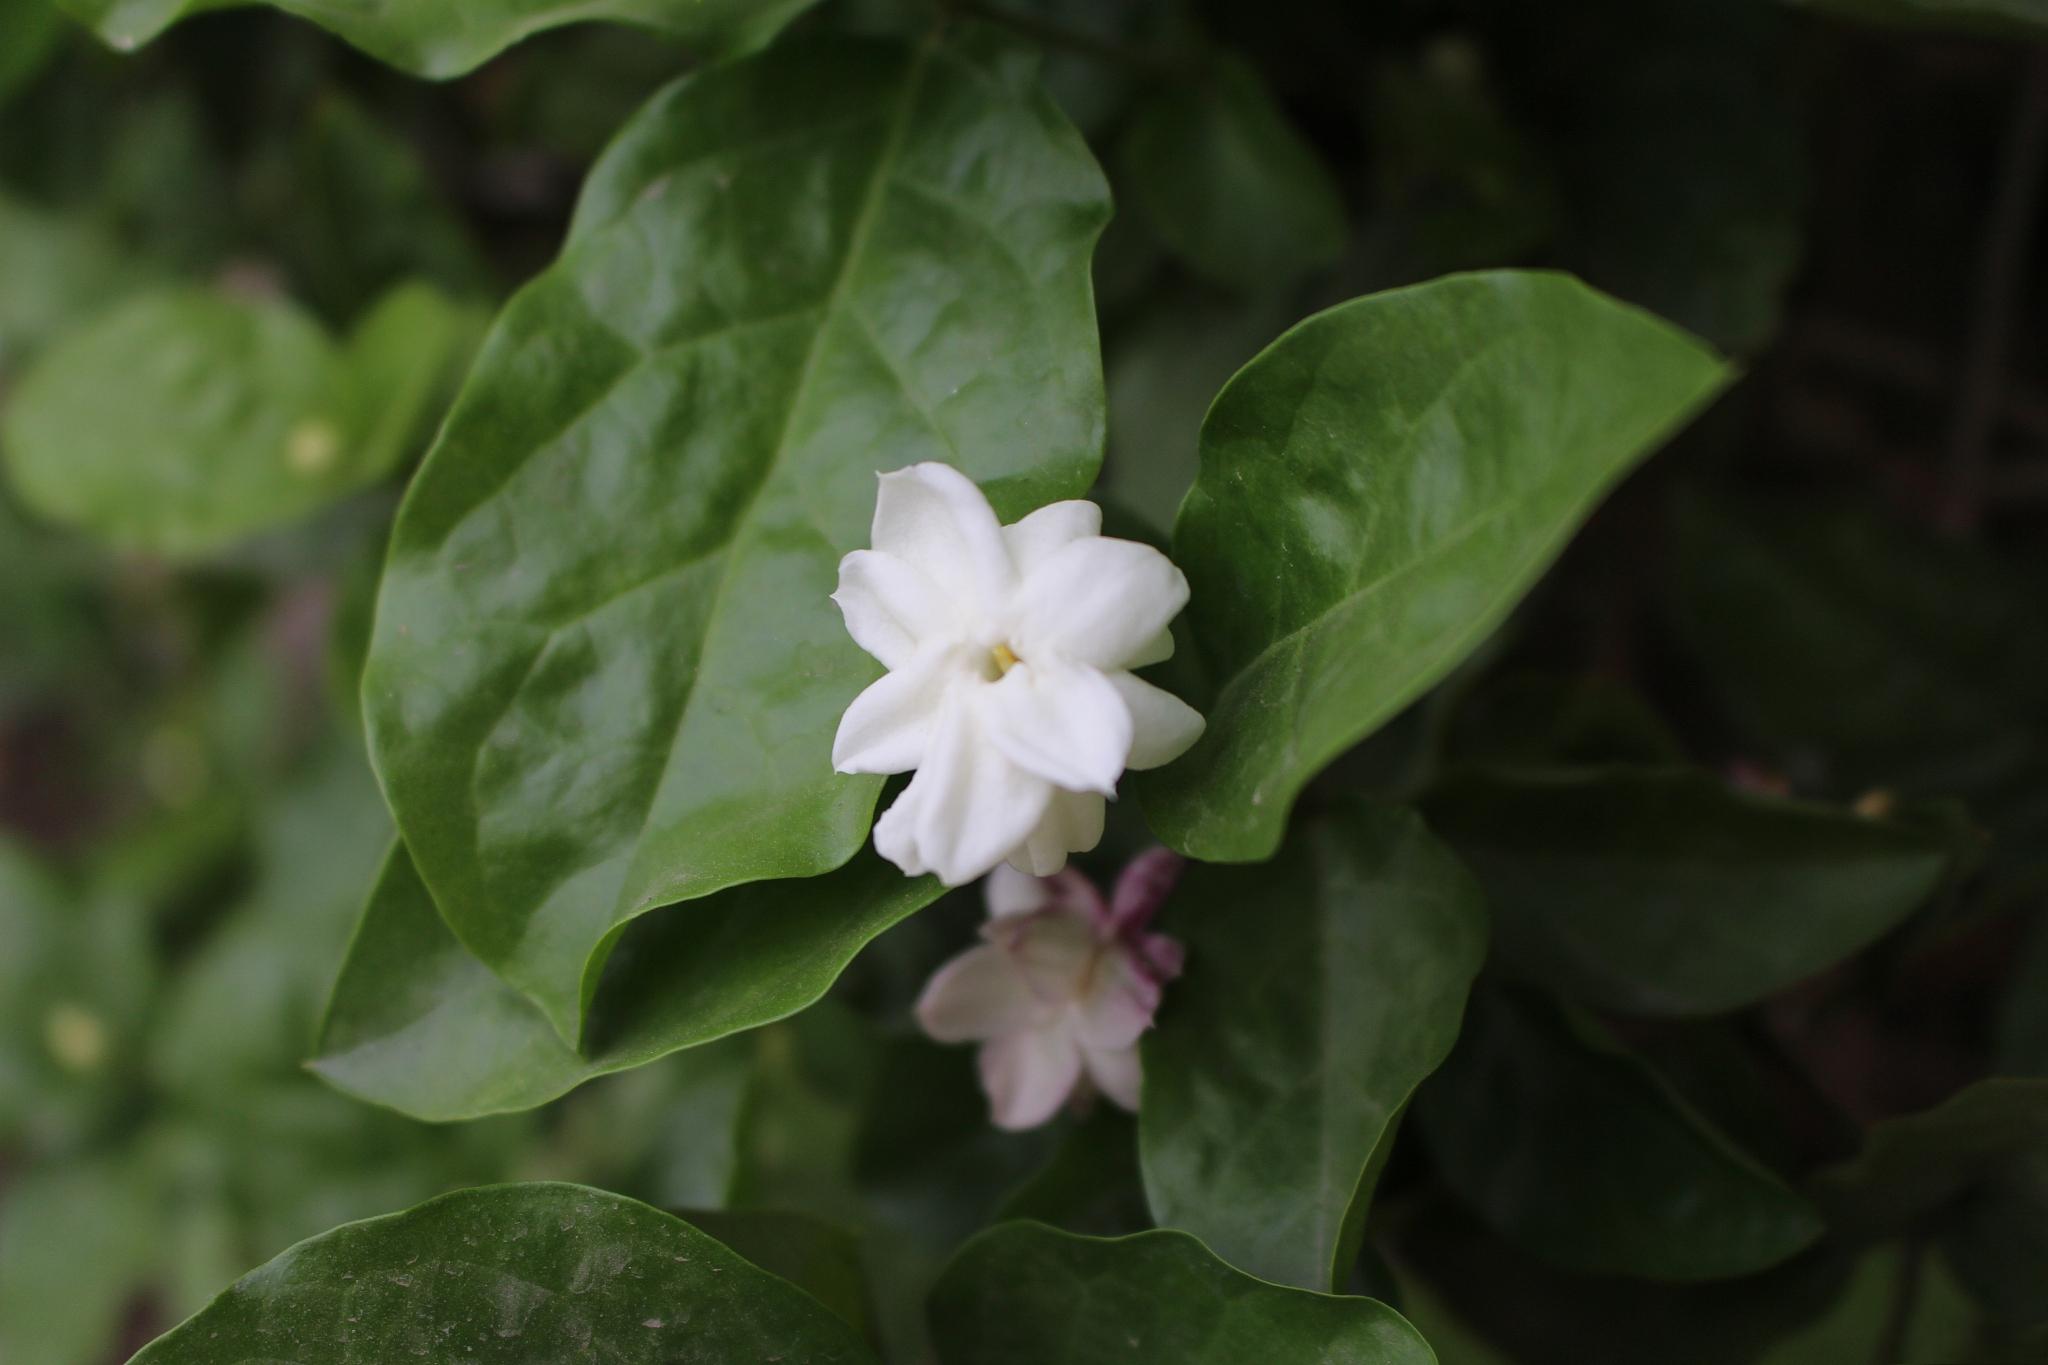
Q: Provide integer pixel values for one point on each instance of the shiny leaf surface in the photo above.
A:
(1577, 1153)
(512, 1273)
(1025, 1294)
(785, 275)
(1321, 988)
(418, 1024)
(1663, 891)
(1378, 488)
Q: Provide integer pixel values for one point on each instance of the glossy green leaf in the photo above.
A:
(1914, 1164)
(1320, 989)
(786, 274)
(441, 38)
(1025, 1294)
(1378, 487)
(187, 418)
(512, 1273)
(1578, 1154)
(418, 1024)
(1664, 891)
(1228, 184)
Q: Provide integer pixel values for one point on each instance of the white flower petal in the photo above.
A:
(967, 807)
(1052, 526)
(1120, 1003)
(888, 728)
(1068, 725)
(1116, 1073)
(892, 607)
(979, 995)
(1101, 602)
(1028, 1075)
(1072, 823)
(1009, 891)
(1163, 727)
(932, 517)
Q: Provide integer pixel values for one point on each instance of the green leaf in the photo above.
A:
(1025, 1294)
(1942, 1324)
(2015, 18)
(1284, 1058)
(1578, 1154)
(54, 269)
(512, 1273)
(821, 1260)
(1915, 1164)
(786, 274)
(1091, 1184)
(29, 30)
(75, 1245)
(1378, 487)
(187, 418)
(418, 1024)
(1663, 891)
(440, 38)
(1228, 184)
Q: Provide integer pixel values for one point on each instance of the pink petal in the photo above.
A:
(1121, 1002)
(1145, 882)
(1028, 1075)
(1116, 1073)
(977, 996)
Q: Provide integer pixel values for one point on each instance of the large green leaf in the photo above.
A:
(1378, 488)
(1320, 989)
(1026, 1294)
(1228, 184)
(786, 274)
(512, 1274)
(418, 1024)
(1579, 1154)
(1663, 891)
(449, 37)
(187, 418)
(1914, 1164)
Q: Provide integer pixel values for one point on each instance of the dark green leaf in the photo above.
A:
(29, 30)
(786, 274)
(1025, 1294)
(1378, 487)
(1577, 1153)
(1321, 988)
(1538, 719)
(821, 1260)
(449, 37)
(1228, 184)
(2018, 18)
(512, 1273)
(188, 418)
(1915, 1164)
(1941, 1327)
(1663, 891)
(1091, 1184)
(418, 1024)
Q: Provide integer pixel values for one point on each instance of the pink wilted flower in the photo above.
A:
(1061, 989)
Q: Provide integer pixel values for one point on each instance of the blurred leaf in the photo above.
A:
(187, 418)
(1535, 718)
(1025, 1294)
(1091, 1184)
(441, 38)
(639, 545)
(1997, 1241)
(1321, 988)
(668, 1133)
(2023, 1019)
(821, 1260)
(29, 30)
(418, 1024)
(1913, 1165)
(513, 1273)
(75, 1244)
(1942, 1329)
(2016, 18)
(54, 269)
(1578, 1154)
(1228, 184)
(1664, 891)
(1331, 589)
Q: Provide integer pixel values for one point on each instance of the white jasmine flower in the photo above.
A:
(1060, 991)
(1009, 650)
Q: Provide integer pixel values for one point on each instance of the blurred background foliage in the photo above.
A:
(248, 238)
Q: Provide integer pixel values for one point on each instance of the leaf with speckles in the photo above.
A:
(1026, 1294)
(606, 669)
(1377, 489)
(512, 1275)
(1321, 988)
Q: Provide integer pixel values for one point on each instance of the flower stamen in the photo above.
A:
(1005, 659)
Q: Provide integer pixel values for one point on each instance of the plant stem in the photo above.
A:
(1998, 287)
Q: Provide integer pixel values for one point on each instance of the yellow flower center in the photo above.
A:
(1005, 659)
